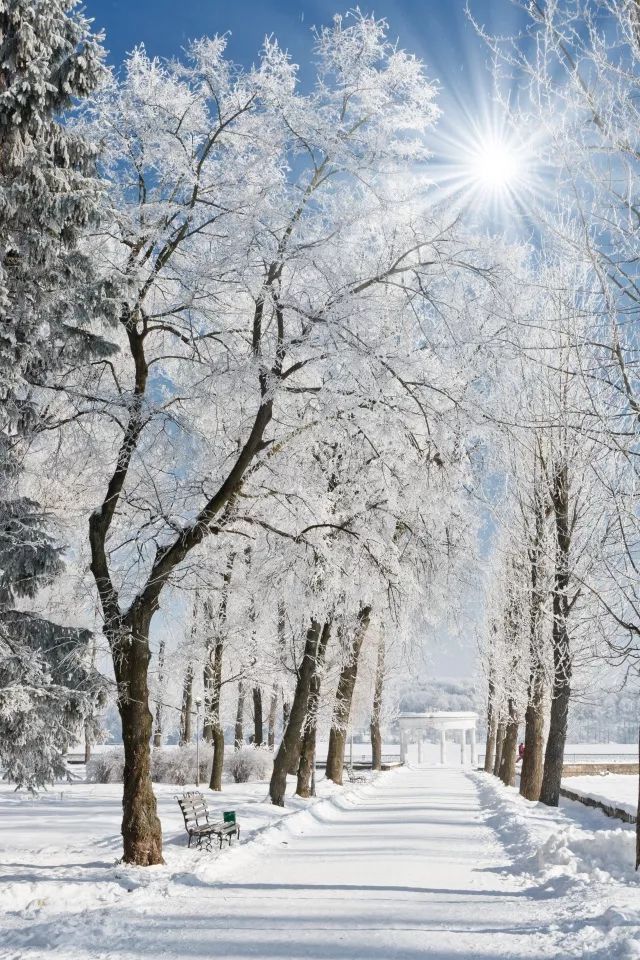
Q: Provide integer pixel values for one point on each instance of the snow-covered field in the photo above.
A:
(420, 862)
(618, 789)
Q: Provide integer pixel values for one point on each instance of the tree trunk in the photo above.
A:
(533, 759)
(217, 764)
(306, 769)
(213, 687)
(186, 710)
(344, 696)
(561, 692)
(492, 728)
(290, 744)
(376, 712)
(507, 770)
(271, 719)
(238, 737)
(87, 741)
(212, 678)
(257, 717)
(500, 732)
(157, 736)
(141, 831)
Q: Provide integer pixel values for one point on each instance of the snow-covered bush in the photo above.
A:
(249, 763)
(106, 766)
(178, 765)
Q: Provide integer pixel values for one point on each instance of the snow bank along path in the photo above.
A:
(403, 869)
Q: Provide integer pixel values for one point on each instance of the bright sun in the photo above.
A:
(495, 165)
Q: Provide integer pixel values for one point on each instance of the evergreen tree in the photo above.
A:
(49, 59)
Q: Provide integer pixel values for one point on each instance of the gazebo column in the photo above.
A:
(463, 738)
(420, 747)
(403, 746)
(443, 746)
(474, 760)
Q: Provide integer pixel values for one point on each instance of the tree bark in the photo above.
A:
(500, 732)
(157, 735)
(492, 727)
(507, 771)
(562, 666)
(376, 712)
(271, 719)
(212, 678)
(186, 709)
(533, 759)
(290, 744)
(238, 737)
(141, 831)
(306, 768)
(344, 697)
(213, 675)
(258, 737)
(87, 742)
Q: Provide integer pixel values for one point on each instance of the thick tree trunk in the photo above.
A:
(141, 831)
(271, 718)
(217, 765)
(289, 748)
(157, 735)
(533, 760)
(376, 712)
(186, 709)
(238, 737)
(508, 757)
(344, 696)
(306, 768)
(492, 728)
(258, 736)
(500, 732)
(561, 692)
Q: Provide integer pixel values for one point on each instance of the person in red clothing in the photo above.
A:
(520, 752)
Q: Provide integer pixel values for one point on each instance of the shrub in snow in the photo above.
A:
(106, 767)
(249, 763)
(178, 765)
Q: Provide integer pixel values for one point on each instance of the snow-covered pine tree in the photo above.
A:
(49, 59)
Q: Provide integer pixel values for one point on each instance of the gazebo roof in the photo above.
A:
(439, 720)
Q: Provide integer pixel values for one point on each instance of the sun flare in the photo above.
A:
(495, 164)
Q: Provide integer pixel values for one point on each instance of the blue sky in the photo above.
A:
(436, 30)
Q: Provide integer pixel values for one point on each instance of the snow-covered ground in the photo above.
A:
(422, 862)
(618, 789)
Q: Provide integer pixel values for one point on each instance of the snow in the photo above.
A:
(419, 862)
(618, 789)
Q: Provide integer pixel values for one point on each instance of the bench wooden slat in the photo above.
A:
(199, 827)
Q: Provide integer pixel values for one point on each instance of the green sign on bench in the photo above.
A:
(229, 816)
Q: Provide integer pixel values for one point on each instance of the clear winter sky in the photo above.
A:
(438, 31)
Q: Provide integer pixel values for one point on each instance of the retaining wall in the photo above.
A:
(609, 809)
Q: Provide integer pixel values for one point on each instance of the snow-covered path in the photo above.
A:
(406, 868)
(409, 871)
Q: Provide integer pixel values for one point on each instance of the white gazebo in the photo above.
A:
(414, 725)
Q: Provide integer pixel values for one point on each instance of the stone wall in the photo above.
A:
(586, 769)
